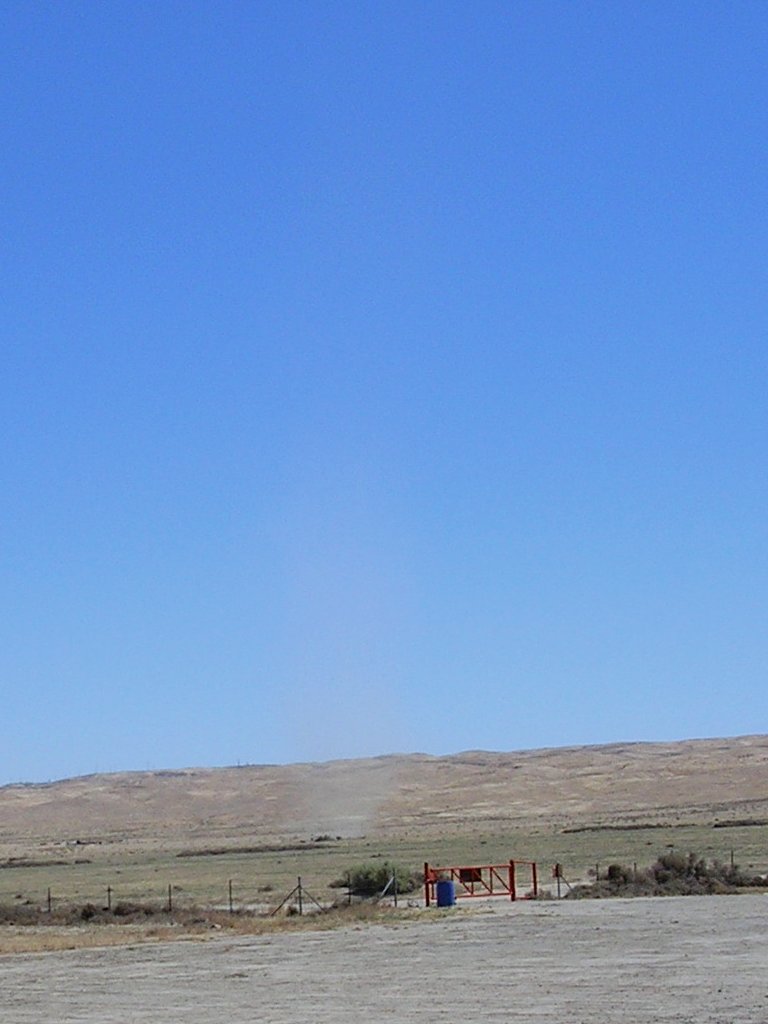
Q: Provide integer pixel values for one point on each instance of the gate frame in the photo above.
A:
(505, 875)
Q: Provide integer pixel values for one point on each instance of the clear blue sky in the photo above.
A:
(380, 377)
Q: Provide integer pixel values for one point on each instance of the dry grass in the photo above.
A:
(134, 834)
(625, 784)
(56, 938)
(47, 933)
(261, 880)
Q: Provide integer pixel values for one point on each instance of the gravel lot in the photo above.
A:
(691, 960)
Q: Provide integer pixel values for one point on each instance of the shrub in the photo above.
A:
(371, 879)
(128, 909)
(672, 874)
(619, 874)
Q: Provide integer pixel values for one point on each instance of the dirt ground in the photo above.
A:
(688, 960)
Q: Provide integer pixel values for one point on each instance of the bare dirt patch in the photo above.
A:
(689, 960)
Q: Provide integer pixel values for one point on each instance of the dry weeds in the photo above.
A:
(198, 926)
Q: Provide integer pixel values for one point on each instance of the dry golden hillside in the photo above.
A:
(628, 783)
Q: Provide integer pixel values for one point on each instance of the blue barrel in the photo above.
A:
(446, 894)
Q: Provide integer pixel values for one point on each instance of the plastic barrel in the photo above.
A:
(446, 894)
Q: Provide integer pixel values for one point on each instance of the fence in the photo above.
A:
(168, 898)
(48, 888)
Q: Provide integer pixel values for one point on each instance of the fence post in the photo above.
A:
(301, 900)
(49, 900)
(109, 897)
(170, 898)
(231, 905)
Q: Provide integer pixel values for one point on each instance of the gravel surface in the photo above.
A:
(688, 960)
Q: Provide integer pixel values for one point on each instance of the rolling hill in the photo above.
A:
(620, 785)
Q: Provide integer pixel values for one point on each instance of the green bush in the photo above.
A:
(371, 879)
(619, 874)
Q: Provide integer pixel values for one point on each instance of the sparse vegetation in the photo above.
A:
(229, 851)
(368, 880)
(32, 929)
(672, 874)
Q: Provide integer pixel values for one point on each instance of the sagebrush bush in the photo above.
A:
(371, 879)
(672, 874)
(619, 874)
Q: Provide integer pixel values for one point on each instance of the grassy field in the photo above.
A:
(261, 878)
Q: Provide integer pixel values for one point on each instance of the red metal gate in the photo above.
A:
(483, 880)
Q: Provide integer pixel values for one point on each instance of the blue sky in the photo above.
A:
(379, 377)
